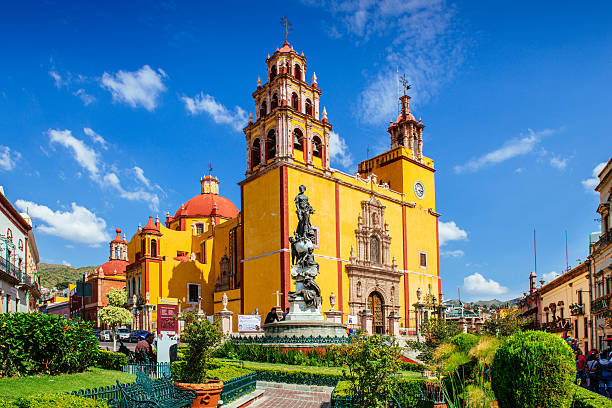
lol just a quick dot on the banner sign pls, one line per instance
(249, 323)
(351, 319)
(165, 318)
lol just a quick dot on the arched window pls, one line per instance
(154, 248)
(309, 111)
(263, 111)
(143, 245)
(295, 101)
(20, 245)
(270, 145)
(9, 234)
(297, 71)
(274, 103)
(272, 72)
(317, 147)
(374, 250)
(255, 153)
(298, 140)
(116, 253)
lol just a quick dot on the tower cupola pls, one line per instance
(209, 185)
(406, 131)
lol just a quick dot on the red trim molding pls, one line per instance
(339, 262)
(406, 277)
(242, 250)
(285, 261)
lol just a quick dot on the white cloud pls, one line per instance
(592, 182)
(141, 177)
(449, 231)
(66, 263)
(519, 170)
(550, 276)
(8, 158)
(83, 154)
(510, 149)
(57, 78)
(138, 88)
(478, 285)
(219, 113)
(85, 97)
(338, 150)
(77, 225)
(452, 254)
(96, 138)
(112, 180)
(422, 41)
(558, 162)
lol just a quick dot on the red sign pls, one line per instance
(165, 318)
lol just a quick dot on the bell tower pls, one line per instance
(407, 132)
(288, 125)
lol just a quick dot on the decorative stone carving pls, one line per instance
(372, 273)
(225, 278)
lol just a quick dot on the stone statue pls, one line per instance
(304, 268)
(224, 301)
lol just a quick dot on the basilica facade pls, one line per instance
(376, 230)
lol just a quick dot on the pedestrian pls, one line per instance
(271, 317)
(144, 351)
(580, 368)
(605, 374)
(592, 367)
(285, 315)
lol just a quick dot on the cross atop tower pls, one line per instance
(287, 26)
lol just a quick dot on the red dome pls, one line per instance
(205, 205)
(114, 267)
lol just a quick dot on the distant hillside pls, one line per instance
(51, 274)
(485, 303)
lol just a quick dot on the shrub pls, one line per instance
(584, 398)
(408, 366)
(226, 372)
(533, 369)
(408, 392)
(55, 401)
(33, 343)
(465, 341)
(110, 360)
(275, 354)
(373, 363)
(202, 337)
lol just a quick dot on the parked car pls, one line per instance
(123, 334)
(106, 335)
(137, 335)
(97, 334)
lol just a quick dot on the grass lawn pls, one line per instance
(14, 387)
(252, 365)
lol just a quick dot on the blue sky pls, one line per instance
(111, 113)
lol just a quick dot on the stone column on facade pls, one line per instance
(326, 153)
(366, 321)
(393, 320)
(308, 138)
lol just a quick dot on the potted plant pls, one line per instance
(202, 337)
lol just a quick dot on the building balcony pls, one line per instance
(604, 239)
(557, 326)
(601, 304)
(9, 271)
(576, 309)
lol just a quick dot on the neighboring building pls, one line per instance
(600, 255)
(57, 308)
(109, 275)
(530, 306)
(468, 319)
(19, 283)
(376, 230)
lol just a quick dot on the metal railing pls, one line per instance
(237, 387)
(153, 370)
(604, 238)
(9, 268)
(347, 402)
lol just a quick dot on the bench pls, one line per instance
(149, 393)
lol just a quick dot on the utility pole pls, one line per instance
(83, 299)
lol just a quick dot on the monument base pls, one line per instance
(304, 321)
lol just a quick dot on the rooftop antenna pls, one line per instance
(405, 84)
(397, 92)
(535, 258)
(210, 168)
(287, 26)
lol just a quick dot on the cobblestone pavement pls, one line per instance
(278, 397)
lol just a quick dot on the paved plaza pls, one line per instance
(278, 397)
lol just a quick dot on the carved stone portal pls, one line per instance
(373, 277)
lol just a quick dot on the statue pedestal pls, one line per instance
(366, 321)
(225, 320)
(304, 321)
(393, 320)
(334, 316)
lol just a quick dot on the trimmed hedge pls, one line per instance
(533, 369)
(297, 375)
(110, 360)
(278, 355)
(408, 393)
(219, 370)
(584, 398)
(53, 400)
(36, 343)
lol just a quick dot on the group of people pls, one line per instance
(272, 316)
(594, 371)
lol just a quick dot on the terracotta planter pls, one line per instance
(208, 393)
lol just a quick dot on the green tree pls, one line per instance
(436, 332)
(504, 325)
(373, 363)
(115, 314)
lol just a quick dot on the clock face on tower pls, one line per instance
(419, 189)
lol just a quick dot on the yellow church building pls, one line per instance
(376, 231)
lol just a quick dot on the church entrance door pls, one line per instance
(375, 304)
